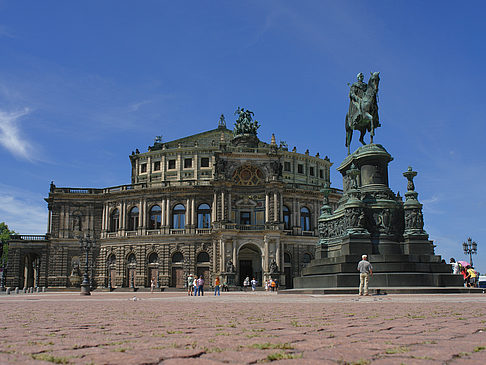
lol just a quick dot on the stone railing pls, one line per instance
(29, 237)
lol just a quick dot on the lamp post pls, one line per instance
(470, 248)
(86, 244)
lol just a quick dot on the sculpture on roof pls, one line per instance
(363, 108)
(245, 124)
(222, 122)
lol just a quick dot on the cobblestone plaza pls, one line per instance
(242, 328)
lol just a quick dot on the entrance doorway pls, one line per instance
(250, 264)
(31, 271)
(177, 277)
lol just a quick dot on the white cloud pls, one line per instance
(10, 135)
(23, 211)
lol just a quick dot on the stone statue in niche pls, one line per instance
(229, 266)
(273, 267)
(77, 223)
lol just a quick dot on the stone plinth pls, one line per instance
(372, 220)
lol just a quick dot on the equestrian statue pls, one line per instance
(363, 108)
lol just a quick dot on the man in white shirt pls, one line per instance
(365, 271)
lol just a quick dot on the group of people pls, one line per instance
(195, 285)
(470, 275)
(247, 282)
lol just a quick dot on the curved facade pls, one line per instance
(194, 205)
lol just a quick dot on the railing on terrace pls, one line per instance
(200, 231)
(29, 237)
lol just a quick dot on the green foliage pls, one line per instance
(4, 238)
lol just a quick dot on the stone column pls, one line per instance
(275, 207)
(188, 214)
(193, 212)
(277, 254)
(267, 207)
(143, 204)
(222, 206)
(137, 170)
(162, 213)
(281, 207)
(123, 220)
(215, 256)
(265, 256)
(222, 254)
(229, 206)
(234, 251)
(167, 212)
(214, 209)
(103, 221)
(163, 167)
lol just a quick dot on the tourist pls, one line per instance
(456, 267)
(464, 275)
(152, 285)
(190, 284)
(471, 277)
(253, 284)
(273, 284)
(267, 285)
(216, 285)
(365, 271)
(246, 283)
(200, 286)
(225, 286)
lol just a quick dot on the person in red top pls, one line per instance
(217, 284)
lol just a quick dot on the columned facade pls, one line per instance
(195, 204)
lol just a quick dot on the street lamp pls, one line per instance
(86, 244)
(470, 248)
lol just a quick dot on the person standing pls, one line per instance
(200, 286)
(253, 284)
(152, 285)
(456, 268)
(217, 283)
(365, 271)
(246, 283)
(190, 284)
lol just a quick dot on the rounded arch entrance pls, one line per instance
(249, 263)
(30, 271)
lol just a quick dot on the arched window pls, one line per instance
(287, 258)
(306, 258)
(202, 257)
(177, 257)
(286, 217)
(153, 258)
(179, 217)
(203, 216)
(114, 220)
(305, 219)
(131, 259)
(133, 219)
(155, 216)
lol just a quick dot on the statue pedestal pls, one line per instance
(372, 220)
(228, 278)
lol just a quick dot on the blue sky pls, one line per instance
(82, 84)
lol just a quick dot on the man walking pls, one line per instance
(365, 271)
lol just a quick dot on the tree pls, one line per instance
(5, 233)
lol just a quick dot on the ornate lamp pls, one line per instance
(470, 248)
(86, 244)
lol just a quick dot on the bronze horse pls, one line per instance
(365, 119)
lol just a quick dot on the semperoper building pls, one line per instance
(208, 204)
